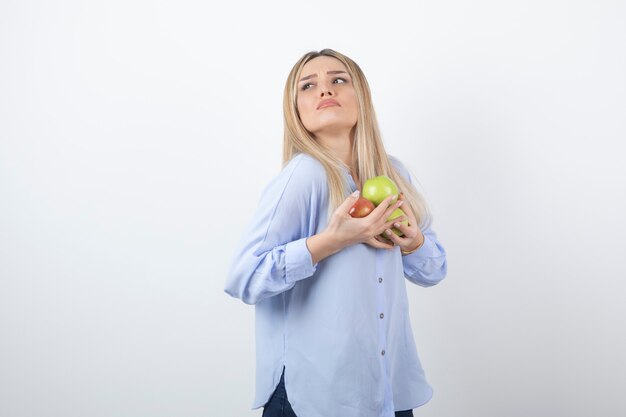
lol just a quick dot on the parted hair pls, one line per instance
(368, 152)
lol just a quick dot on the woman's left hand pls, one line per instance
(412, 235)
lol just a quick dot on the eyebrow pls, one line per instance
(315, 75)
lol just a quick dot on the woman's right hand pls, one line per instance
(348, 230)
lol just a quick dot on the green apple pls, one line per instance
(396, 213)
(378, 188)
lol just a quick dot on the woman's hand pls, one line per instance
(348, 230)
(413, 236)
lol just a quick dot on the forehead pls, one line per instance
(322, 64)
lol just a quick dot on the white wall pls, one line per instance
(136, 137)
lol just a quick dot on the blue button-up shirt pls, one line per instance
(340, 327)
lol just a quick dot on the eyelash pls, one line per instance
(338, 78)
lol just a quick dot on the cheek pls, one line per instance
(300, 103)
(354, 100)
(303, 107)
(354, 105)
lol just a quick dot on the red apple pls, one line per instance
(362, 207)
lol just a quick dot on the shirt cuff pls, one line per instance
(298, 261)
(427, 250)
(426, 266)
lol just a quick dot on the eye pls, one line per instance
(343, 81)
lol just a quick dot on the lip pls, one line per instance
(326, 103)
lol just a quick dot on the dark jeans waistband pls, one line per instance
(278, 404)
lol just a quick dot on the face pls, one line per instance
(325, 78)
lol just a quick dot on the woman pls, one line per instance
(332, 319)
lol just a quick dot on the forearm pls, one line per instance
(322, 245)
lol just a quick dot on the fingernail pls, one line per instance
(388, 232)
(356, 193)
(397, 224)
(351, 210)
(400, 203)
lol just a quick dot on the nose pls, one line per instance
(326, 90)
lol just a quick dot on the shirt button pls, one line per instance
(382, 315)
(380, 279)
(383, 352)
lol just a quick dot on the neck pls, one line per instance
(339, 145)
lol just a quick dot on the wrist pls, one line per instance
(409, 251)
(332, 243)
(322, 245)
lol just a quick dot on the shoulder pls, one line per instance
(395, 161)
(399, 166)
(307, 163)
(303, 169)
(302, 175)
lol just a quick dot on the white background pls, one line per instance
(135, 140)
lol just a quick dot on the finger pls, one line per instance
(378, 244)
(382, 239)
(397, 223)
(406, 208)
(384, 222)
(380, 209)
(349, 202)
(405, 231)
(387, 239)
(393, 208)
(386, 209)
(389, 234)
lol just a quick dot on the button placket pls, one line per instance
(382, 307)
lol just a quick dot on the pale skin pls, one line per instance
(333, 126)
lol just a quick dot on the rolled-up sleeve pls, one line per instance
(299, 264)
(272, 254)
(427, 266)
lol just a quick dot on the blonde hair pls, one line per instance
(369, 157)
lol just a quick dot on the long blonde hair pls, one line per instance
(369, 157)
